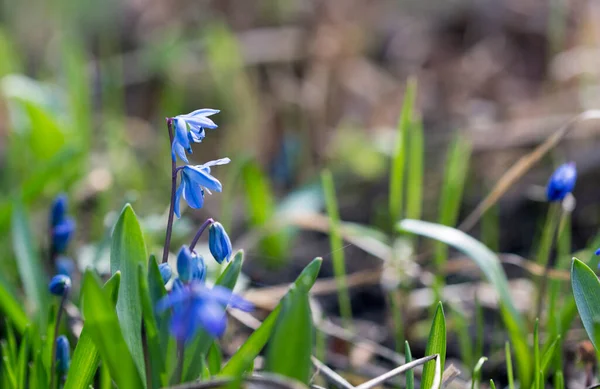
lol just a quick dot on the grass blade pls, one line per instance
(410, 375)
(103, 325)
(287, 355)
(12, 310)
(489, 264)
(128, 250)
(397, 170)
(536, 354)
(477, 373)
(509, 368)
(414, 181)
(86, 357)
(436, 344)
(337, 248)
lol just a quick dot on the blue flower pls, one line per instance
(63, 355)
(189, 129)
(219, 243)
(165, 272)
(194, 181)
(59, 285)
(184, 264)
(62, 234)
(58, 210)
(198, 268)
(562, 182)
(197, 306)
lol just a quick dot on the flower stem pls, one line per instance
(63, 300)
(207, 223)
(172, 206)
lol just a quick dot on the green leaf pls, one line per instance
(155, 354)
(287, 355)
(536, 354)
(12, 310)
(397, 170)
(157, 291)
(489, 264)
(45, 135)
(410, 375)
(414, 180)
(586, 290)
(337, 248)
(509, 368)
(436, 344)
(477, 373)
(241, 361)
(214, 359)
(198, 348)
(86, 357)
(23, 358)
(29, 263)
(103, 325)
(127, 252)
(549, 354)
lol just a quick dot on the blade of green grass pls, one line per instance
(464, 337)
(127, 251)
(414, 181)
(549, 354)
(287, 355)
(399, 159)
(214, 359)
(12, 310)
(536, 354)
(509, 368)
(476, 380)
(29, 263)
(489, 264)
(410, 375)
(103, 325)
(337, 248)
(436, 344)
(86, 357)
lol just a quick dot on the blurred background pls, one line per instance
(302, 85)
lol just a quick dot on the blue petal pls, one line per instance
(178, 149)
(192, 192)
(181, 132)
(200, 177)
(216, 162)
(201, 122)
(178, 194)
(202, 112)
(184, 324)
(226, 297)
(196, 136)
(177, 296)
(211, 316)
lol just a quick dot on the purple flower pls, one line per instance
(189, 129)
(196, 306)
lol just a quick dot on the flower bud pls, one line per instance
(218, 242)
(198, 269)
(177, 285)
(62, 234)
(63, 355)
(562, 182)
(165, 272)
(184, 264)
(58, 210)
(64, 265)
(59, 285)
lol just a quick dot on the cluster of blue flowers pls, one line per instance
(193, 304)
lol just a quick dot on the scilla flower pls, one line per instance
(194, 181)
(561, 182)
(218, 242)
(198, 268)
(165, 272)
(184, 264)
(189, 129)
(61, 226)
(197, 306)
(63, 355)
(59, 285)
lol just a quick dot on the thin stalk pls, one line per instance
(177, 374)
(546, 245)
(56, 330)
(165, 256)
(207, 223)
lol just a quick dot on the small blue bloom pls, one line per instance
(58, 210)
(177, 284)
(197, 306)
(194, 181)
(63, 355)
(59, 285)
(198, 268)
(561, 182)
(64, 265)
(62, 234)
(165, 272)
(218, 242)
(184, 264)
(189, 129)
